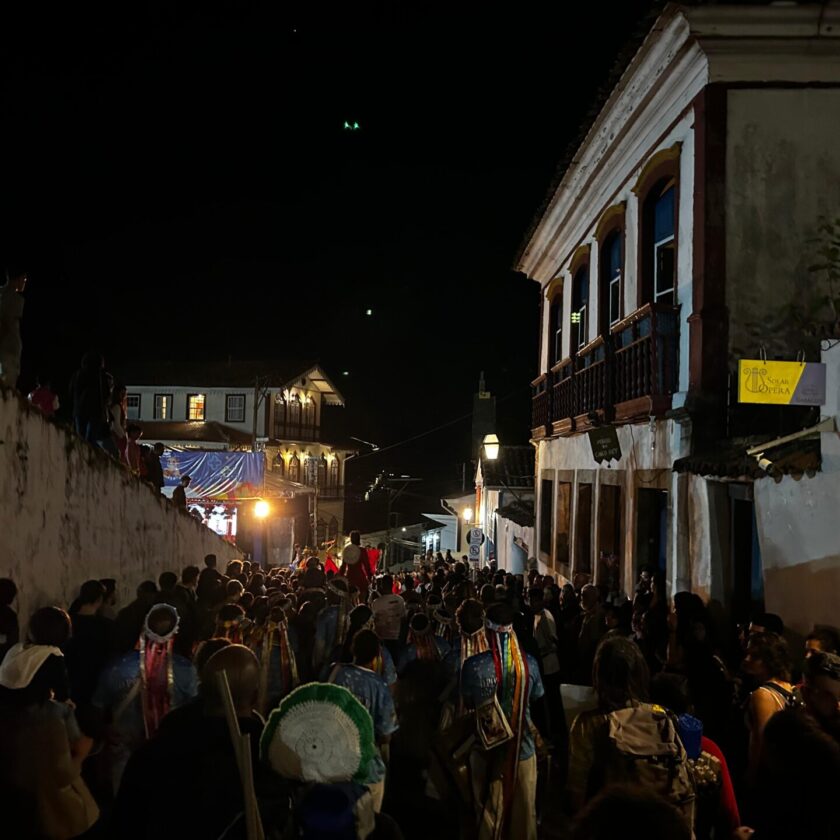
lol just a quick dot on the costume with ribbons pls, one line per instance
(156, 673)
(278, 664)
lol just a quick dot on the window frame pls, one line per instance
(228, 397)
(203, 417)
(582, 325)
(555, 327)
(128, 397)
(612, 225)
(170, 398)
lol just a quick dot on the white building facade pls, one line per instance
(677, 228)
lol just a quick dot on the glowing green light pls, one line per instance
(351, 126)
(575, 317)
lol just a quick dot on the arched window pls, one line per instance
(294, 468)
(294, 416)
(580, 307)
(280, 417)
(308, 420)
(280, 465)
(609, 298)
(335, 468)
(555, 329)
(658, 192)
(322, 472)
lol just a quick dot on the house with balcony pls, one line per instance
(673, 235)
(277, 407)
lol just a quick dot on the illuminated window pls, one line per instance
(132, 406)
(163, 406)
(195, 406)
(334, 473)
(235, 408)
(294, 468)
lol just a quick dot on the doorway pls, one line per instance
(651, 528)
(745, 552)
(583, 531)
(609, 537)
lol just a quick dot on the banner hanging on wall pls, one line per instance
(781, 383)
(215, 475)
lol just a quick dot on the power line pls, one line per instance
(435, 429)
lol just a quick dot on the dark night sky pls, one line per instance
(178, 183)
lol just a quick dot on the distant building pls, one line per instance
(676, 233)
(204, 405)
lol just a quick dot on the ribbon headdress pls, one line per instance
(156, 670)
(276, 634)
(421, 636)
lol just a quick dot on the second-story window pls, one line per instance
(293, 418)
(132, 406)
(610, 286)
(163, 406)
(555, 329)
(334, 474)
(308, 412)
(664, 251)
(580, 307)
(195, 406)
(235, 408)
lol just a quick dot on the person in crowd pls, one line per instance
(591, 628)
(119, 421)
(189, 584)
(129, 622)
(389, 612)
(140, 687)
(179, 494)
(796, 781)
(9, 629)
(273, 641)
(331, 624)
(621, 740)
(821, 691)
(355, 564)
(500, 684)
(43, 397)
(11, 312)
(619, 810)
(361, 679)
(91, 394)
(91, 644)
(109, 604)
(767, 662)
(822, 640)
(191, 760)
(547, 644)
(423, 644)
(133, 452)
(42, 793)
(361, 618)
(154, 470)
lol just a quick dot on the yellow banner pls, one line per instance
(781, 383)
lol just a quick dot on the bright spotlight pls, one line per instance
(261, 509)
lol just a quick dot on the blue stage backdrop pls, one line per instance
(215, 475)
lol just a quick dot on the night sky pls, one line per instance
(179, 183)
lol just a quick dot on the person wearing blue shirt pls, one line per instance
(423, 644)
(371, 691)
(520, 686)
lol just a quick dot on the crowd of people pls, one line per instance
(431, 702)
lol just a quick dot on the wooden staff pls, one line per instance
(242, 751)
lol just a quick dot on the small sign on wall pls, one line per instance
(605, 445)
(781, 383)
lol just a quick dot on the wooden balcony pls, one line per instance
(563, 398)
(625, 377)
(645, 350)
(592, 385)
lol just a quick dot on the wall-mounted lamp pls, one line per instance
(491, 447)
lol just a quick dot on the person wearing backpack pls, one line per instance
(626, 739)
(767, 662)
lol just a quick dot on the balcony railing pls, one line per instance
(621, 378)
(645, 347)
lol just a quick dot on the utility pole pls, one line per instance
(260, 393)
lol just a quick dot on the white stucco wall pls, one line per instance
(68, 513)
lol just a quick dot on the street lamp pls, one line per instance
(261, 509)
(491, 447)
(467, 514)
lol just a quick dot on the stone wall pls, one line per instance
(68, 513)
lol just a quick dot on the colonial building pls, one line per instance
(674, 235)
(275, 407)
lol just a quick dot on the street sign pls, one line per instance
(781, 383)
(476, 536)
(604, 443)
(475, 552)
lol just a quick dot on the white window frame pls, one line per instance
(129, 409)
(163, 401)
(229, 418)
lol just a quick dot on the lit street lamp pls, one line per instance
(261, 509)
(491, 447)
(467, 514)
